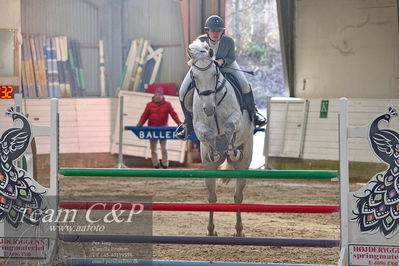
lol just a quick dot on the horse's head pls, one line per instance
(204, 74)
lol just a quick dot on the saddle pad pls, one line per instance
(237, 89)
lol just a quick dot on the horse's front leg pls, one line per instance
(207, 136)
(238, 198)
(231, 125)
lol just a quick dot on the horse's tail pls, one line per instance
(226, 166)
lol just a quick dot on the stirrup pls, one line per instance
(259, 120)
(181, 132)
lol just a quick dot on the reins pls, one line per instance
(217, 88)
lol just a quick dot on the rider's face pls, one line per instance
(215, 35)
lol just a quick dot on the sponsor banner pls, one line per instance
(373, 255)
(23, 247)
(153, 132)
(121, 216)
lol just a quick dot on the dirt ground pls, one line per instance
(282, 225)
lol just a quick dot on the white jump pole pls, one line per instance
(343, 177)
(266, 145)
(121, 129)
(54, 139)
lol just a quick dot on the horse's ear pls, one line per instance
(211, 52)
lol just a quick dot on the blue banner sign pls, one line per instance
(153, 132)
(162, 132)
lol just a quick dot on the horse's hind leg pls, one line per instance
(211, 185)
(241, 182)
(212, 198)
(238, 198)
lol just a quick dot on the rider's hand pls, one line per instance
(139, 125)
(220, 62)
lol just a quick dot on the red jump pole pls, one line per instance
(198, 207)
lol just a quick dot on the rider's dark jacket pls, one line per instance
(225, 50)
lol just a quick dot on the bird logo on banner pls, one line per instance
(378, 209)
(19, 199)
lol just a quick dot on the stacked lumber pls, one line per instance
(141, 66)
(75, 61)
(51, 67)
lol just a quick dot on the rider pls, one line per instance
(224, 49)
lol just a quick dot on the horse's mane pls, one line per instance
(198, 49)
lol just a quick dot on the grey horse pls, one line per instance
(224, 130)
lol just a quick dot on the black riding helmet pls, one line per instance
(214, 23)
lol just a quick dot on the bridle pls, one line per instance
(217, 88)
(209, 92)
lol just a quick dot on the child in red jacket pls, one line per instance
(157, 113)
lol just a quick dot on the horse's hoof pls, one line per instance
(241, 234)
(234, 156)
(214, 158)
(213, 233)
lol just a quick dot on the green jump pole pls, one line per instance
(189, 173)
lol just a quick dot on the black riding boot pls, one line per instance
(249, 102)
(186, 129)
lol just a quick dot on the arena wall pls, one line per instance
(298, 131)
(350, 52)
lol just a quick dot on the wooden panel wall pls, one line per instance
(286, 119)
(321, 138)
(85, 123)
